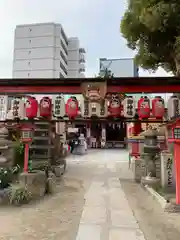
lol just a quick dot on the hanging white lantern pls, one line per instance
(59, 106)
(173, 107)
(3, 107)
(18, 108)
(129, 109)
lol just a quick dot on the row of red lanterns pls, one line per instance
(45, 107)
(144, 111)
(116, 109)
(72, 107)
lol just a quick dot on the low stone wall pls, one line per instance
(137, 169)
(35, 183)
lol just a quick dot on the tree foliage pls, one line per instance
(152, 28)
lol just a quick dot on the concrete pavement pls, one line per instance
(106, 213)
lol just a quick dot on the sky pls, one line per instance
(95, 22)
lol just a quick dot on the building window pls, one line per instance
(60, 75)
(63, 57)
(64, 36)
(63, 68)
(64, 48)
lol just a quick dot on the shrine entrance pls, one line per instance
(116, 134)
(96, 131)
(95, 98)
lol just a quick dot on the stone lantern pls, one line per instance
(150, 154)
(81, 148)
(6, 149)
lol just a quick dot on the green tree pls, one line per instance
(151, 27)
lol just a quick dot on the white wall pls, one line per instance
(34, 74)
(35, 64)
(120, 67)
(39, 47)
(32, 53)
(35, 30)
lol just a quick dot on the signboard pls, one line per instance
(167, 171)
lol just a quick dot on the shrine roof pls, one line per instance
(128, 81)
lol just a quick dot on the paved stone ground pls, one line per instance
(106, 214)
(91, 203)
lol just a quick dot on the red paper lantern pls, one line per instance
(31, 107)
(72, 107)
(144, 108)
(45, 107)
(115, 106)
(158, 107)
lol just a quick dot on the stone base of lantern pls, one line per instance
(51, 183)
(58, 170)
(137, 169)
(80, 150)
(35, 182)
(150, 181)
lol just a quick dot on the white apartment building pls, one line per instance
(76, 59)
(43, 50)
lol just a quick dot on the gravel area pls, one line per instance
(54, 217)
(153, 221)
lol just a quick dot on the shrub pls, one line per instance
(19, 194)
(19, 154)
(6, 176)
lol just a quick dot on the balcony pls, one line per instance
(81, 70)
(82, 50)
(82, 65)
(81, 60)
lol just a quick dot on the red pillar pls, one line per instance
(137, 128)
(177, 170)
(26, 157)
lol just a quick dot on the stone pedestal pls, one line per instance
(51, 181)
(58, 170)
(35, 183)
(79, 150)
(150, 181)
(137, 169)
